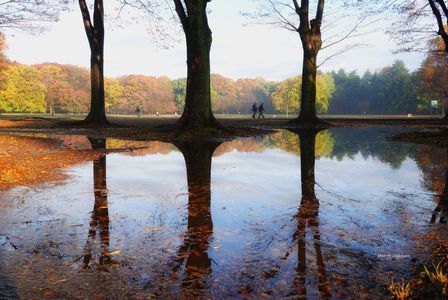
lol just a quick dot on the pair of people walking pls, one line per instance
(256, 108)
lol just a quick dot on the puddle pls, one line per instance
(330, 214)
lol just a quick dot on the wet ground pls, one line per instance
(339, 213)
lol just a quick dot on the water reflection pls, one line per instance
(99, 223)
(193, 254)
(253, 233)
(308, 218)
(441, 210)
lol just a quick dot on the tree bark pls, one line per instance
(95, 36)
(442, 29)
(311, 38)
(308, 112)
(197, 114)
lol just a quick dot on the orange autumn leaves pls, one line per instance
(30, 161)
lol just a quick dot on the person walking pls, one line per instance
(260, 111)
(254, 110)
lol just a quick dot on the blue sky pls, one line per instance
(239, 50)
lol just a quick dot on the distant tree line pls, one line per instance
(60, 88)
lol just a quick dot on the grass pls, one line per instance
(438, 276)
(401, 290)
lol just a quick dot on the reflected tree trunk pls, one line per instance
(7, 286)
(441, 209)
(308, 217)
(99, 223)
(194, 250)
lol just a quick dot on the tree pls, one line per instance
(113, 93)
(149, 93)
(95, 35)
(283, 14)
(23, 90)
(287, 97)
(433, 76)
(68, 87)
(179, 88)
(440, 10)
(197, 113)
(226, 93)
(29, 15)
(414, 22)
(58, 90)
(395, 93)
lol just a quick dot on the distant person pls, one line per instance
(254, 110)
(260, 111)
(137, 111)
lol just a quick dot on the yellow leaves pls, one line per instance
(115, 252)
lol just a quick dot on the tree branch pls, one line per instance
(438, 16)
(98, 16)
(444, 8)
(320, 11)
(87, 22)
(304, 16)
(182, 14)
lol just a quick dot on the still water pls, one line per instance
(337, 214)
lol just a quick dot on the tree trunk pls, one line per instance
(197, 112)
(95, 35)
(311, 44)
(97, 112)
(308, 112)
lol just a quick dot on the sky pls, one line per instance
(239, 49)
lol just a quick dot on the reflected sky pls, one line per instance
(226, 226)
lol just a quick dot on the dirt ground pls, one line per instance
(61, 121)
(427, 128)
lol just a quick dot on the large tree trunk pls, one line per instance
(311, 38)
(308, 112)
(95, 35)
(197, 112)
(97, 112)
